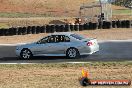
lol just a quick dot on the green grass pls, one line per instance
(122, 12)
(3, 25)
(61, 75)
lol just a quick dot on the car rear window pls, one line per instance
(80, 37)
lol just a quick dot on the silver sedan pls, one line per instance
(59, 44)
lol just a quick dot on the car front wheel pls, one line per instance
(72, 53)
(26, 54)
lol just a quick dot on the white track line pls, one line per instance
(128, 40)
(12, 44)
(77, 62)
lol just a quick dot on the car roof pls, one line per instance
(62, 33)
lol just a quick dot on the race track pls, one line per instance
(114, 50)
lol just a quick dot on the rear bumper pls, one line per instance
(91, 50)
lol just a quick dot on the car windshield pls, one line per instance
(80, 37)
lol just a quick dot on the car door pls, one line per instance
(57, 46)
(41, 47)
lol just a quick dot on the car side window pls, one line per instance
(51, 39)
(42, 41)
(48, 39)
(61, 38)
(54, 39)
(67, 39)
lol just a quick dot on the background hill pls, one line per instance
(41, 7)
(47, 11)
(37, 8)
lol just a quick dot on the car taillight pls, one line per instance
(89, 43)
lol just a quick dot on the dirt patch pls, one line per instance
(62, 76)
(100, 34)
(47, 7)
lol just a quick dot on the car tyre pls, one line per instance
(26, 54)
(72, 53)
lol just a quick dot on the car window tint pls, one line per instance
(51, 39)
(59, 38)
(67, 39)
(80, 37)
(62, 38)
(44, 40)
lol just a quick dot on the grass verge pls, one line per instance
(21, 15)
(61, 75)
(122, 12)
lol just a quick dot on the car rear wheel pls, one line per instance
(26, 54)
(72, 53)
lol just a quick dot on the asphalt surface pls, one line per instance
(114, 50)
